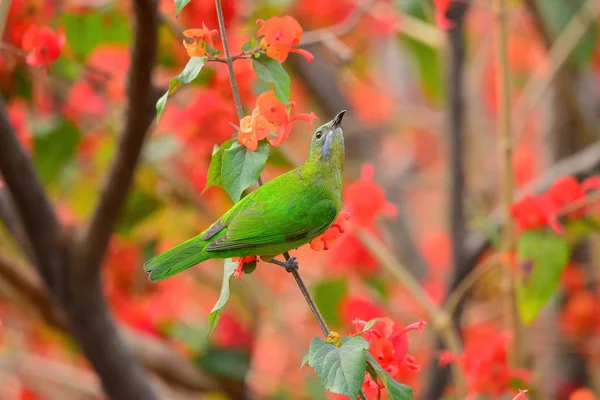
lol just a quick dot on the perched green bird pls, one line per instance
(283, 214)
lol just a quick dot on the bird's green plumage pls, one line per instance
(283, 214)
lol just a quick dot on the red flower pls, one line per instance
(43, 45)
(484, 363)
(327, 239)
(17, 114)
(365, 200)
(389, 346)
(441, 8)
(239, 270)
(280, 35)
(535, 212)
(359, 308)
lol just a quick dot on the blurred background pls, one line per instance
(434, 143)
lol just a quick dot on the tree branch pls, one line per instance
(32, 204)
(140, 107)
(456, 92)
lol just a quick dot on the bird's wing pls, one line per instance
(287, 216)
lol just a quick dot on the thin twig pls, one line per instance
(541, 79)
(337, 30)
(467, 283)
(229, 61)
(507, 181)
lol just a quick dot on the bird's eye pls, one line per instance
(319, 135)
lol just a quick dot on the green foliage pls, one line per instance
(396, 390)
(216, 165)
(242, 167)
(557, 14)
(271, 71)
(179, 5)
(547, 254)
(341, 369)
(139, 205)
(428, 67)
(228, 363)
(54, 149)
(249, 267)
(215, 313)
(328, 295)
(189, 73)
(86, 31)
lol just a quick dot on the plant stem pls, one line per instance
(229, 61)
(506, 162)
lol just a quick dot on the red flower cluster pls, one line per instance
(366, 208)
(441, 8)
(281, 34)
(195, 49)
(535, 212)
(327, 239)
(239, 270)
(270, 120)
(389, 346)
(484, 363)
(43, 45)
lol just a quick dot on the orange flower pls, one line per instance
(248, 139)
(195, 49)
(270, 107)
(280, 35)
(261, 127)
(280, 118)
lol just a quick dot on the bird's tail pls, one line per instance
(177, 259)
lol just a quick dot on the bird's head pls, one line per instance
(327, 143)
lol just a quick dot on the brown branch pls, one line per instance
(32, 204)
(140, 112)
(152, 353)
(456, 91)
(10, 218)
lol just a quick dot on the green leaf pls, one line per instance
(216, 165)
(242, 167)
(86, 31)
(542, 257)
(428, 66)
(341, 369)
(328, 296)
(189, 73)
(139, 205)
(557, 14)
(271, 71)
(215, 314)
(396, 390)
(54, 149)
(227, 363)
(179, 4)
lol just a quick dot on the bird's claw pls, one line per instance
(291, 264)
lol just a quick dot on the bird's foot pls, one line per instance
(290, 264)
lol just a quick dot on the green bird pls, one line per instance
(283, 214)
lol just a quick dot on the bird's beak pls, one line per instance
(337, 121)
